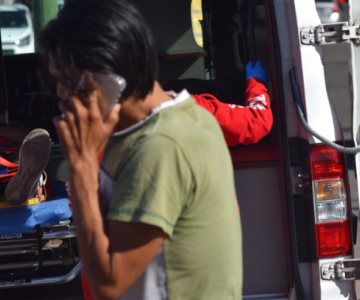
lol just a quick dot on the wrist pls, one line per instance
(84, 173)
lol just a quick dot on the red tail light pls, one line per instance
(333, 239)
(326, 163)
(333, 234)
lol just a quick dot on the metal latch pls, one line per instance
(301, 180)
(331, 33)
(348, 269)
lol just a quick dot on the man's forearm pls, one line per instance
(93, 242)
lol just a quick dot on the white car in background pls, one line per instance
(17, 32)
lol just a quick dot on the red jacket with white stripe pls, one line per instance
(242, 124)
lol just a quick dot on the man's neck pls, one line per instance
(134, 110)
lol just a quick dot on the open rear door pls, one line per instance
(354, 18)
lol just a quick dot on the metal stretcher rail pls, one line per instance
(43, 281)
(32, 259)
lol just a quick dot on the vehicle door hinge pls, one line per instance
(348, 269)
(331, 33)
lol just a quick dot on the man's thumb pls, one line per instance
(114, 115)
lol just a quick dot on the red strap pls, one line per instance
(85, 288)
(6, 177)
(7, 163)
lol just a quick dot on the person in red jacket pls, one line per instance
(243, 124)
(240, 124)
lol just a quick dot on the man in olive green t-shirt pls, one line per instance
(159, 218)
(178, 177)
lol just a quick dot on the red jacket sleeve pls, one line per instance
(242, 124)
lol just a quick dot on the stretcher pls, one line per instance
(37, 244)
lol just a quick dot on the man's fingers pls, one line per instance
(78, 107)
(70, 116)
(110, 119)
(65, 137)
(71, 122)
(81, 118)
(94, 105)
(86, 128)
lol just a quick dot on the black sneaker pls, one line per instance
(33, 159)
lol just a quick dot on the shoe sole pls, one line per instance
(33, 158)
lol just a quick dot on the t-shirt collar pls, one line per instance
(175, 99)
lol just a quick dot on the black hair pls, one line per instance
(107, 36)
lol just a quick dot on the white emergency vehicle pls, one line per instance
(299, 229)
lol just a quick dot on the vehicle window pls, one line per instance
(21, 20)
(13, 19)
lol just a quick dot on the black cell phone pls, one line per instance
(111, 85)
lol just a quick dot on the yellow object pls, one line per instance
(31, 201)
(196, 17)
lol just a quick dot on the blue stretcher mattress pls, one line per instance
(24, 219)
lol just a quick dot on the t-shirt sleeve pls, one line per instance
(153, 185)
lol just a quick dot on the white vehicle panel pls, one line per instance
(320, 116)
(11, 34)
(355, 74)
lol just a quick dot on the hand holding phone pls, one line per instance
(111, 87)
